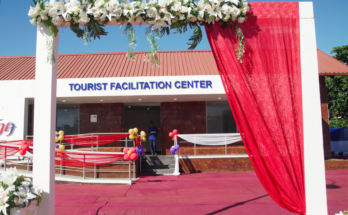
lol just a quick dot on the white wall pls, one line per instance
(13, 110)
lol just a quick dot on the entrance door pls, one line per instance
(140, 117)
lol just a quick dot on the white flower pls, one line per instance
(3, 206)
(185, 1)
(84, 19)
(167, 16)
(200, 8)
(158, 23)
(182, 17)
(245, 3)
(34, 11)
(245, 9)
(26, 182)
(128, 8)
(142, 8)
(235, 12)
(340, 213)
(9, 176)
(162, 3)
(118, 12)
(241, 19)
(152, 12)
(43, 16)
(24, 195)
(207, 6)
(35, 189)
(183, 9)
(57, 20)
(215, 11)
(33, 21)
(176, 6)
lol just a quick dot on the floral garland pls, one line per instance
(162, 16)
(17, 191)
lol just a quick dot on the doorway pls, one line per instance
(140, 115)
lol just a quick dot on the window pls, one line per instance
(68, 116)
(220, 118)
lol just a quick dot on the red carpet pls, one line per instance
(201, 193)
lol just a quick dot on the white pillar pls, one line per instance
(314, 165)
(45, 120)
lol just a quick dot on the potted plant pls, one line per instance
(17, 194)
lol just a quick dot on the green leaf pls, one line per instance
(196, 38)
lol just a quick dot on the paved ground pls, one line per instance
(201, 193)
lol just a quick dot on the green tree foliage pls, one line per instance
(337, 91)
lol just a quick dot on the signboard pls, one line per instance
(93, 117)
(7, 128)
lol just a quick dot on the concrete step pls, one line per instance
(164, 166)
(156, 171)
(157, 162)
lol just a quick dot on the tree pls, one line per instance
(337, 91)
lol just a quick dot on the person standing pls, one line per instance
(152, 132)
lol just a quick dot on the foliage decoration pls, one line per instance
(162, 16)
(17, 191)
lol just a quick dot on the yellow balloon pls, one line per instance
(131, 137)
(57, 139)
(131, 131)
(135, 130)
(61, 133)
(136, 137)
(61, 147)
(129, 152)
(143, 139)
(61, 138)
(143, 134)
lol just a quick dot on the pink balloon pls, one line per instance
(171, 135)
(25, 147)
(125, 150)
(126, 157)
(133, 157)
(133, 150)
(24, 143)
(173, 138)
(22, 152)
(175, 132)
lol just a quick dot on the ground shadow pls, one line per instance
(187, 166)
(235, 205)
(332, 185)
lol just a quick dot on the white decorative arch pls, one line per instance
(45, 117)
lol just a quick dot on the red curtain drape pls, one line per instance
(264, 93)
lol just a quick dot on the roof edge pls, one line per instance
(107, 53)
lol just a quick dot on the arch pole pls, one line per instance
(45, 120)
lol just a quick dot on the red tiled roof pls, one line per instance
(330, 66)
(92, 65)
(173, 63)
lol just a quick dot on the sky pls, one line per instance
(18, 36)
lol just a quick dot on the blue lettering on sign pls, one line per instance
(202, 84)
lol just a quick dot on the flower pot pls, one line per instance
(31, 210)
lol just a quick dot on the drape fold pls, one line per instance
(264, 93)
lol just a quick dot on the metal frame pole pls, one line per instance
(28, 165)
(133, 169)
(95, 168)
(225, 146)
(97, 144)
(84, 168)
(92, 142)
(194, 144)
(5, 158)
(129, 164)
